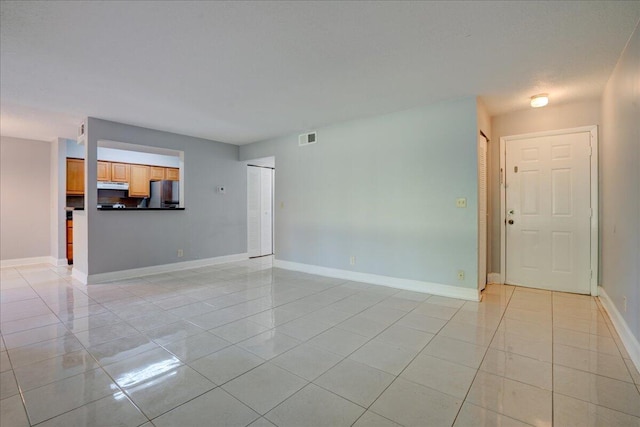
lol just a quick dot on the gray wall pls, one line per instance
(25, 211)
(382, 189)
(620, 185)
(212, 225)
(521, 122)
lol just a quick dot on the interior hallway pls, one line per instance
(248, 344)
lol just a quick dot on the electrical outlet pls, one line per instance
(461, 203)
(180, 253)
(460, 275)
(352, 260)
(624, 304)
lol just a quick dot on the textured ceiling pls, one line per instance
(239, 72)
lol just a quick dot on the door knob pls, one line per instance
(510, 221)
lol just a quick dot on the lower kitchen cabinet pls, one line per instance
(70, 241)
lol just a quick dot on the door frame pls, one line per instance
(593, 131)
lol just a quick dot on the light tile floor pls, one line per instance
(247, 344)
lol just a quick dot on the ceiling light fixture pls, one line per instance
(539, 100)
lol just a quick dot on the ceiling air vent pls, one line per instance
(307, 138)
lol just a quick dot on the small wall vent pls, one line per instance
(307, 138)
(81, 134)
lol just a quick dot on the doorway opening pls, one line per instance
(260, 207)
(549, 210)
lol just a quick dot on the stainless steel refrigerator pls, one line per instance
(165, 194)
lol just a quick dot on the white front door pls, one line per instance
(548, 212)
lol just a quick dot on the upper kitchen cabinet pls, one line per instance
(172, 174)
(139, 181)
(120, 172)
(156, 173)
(75, 177)
(104, 171)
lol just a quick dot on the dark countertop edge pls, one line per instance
(69, 209)
(140, 209)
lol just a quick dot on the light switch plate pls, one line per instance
(461, 202)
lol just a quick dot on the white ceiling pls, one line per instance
(239, 72)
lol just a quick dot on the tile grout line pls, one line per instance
(483, 357)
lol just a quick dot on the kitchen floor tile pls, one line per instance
(469, 333)
(196, 346)
(306, 361)
(12, 412)
(114, 410)
(226, 364)
(404, 337)
(591, 361)
(613, 394)
(104, 334)
(173, 332)
(386, 357)
(43, 350)
(438, 374)
(157, 392)
(422, 322)
(215, 406)
(264, 387)
(514, 399)
(313, 406)
(239, 330)
(8, 385)
(410, 404)
(170, 339)
(70, 393)
(568, 411)
(54, 369)
(518, 368)
(5, 364)
(142, 367)
(461, 352)
(269, 344)
(303, 328)
(471, 415)
(355, 381)
(339, 341)
(371, 419)
(121, 349)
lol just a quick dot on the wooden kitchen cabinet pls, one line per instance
(139, 181)
(172, 174)
(70, 241)
(120, 172)
(104, 171)
(156, 173)
(75, 177)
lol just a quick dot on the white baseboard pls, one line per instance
(155, 269)
(17, 262)
(61, 262)
(494, 278)
(470, 294)
(629, 340)
(80, 276)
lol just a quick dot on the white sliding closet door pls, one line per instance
(266, 200)
(259, 211)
